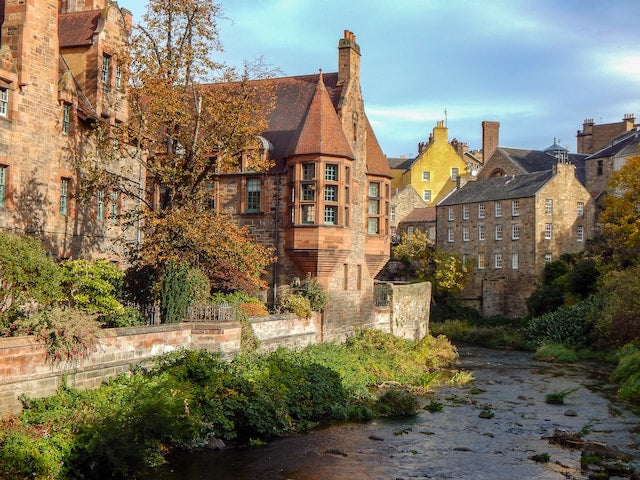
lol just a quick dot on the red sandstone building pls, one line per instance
(59, 73)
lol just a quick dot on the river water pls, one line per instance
(455, 443)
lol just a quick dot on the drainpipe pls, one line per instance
(276, 241)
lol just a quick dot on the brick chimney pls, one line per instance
(348, 58)
(490, 139)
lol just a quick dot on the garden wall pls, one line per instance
(25, 369)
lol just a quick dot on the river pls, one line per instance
(487, 430)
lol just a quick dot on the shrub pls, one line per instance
(93, 286)
(397, 402)
(181, 285)
(253, 309)
(27, 274)
(297, 304)
(628, 372)
(67, 333)
(572, 325)
(129, 317)
(316, 295)
(620, 322)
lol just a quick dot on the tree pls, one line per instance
(446, 272)
(620, 219)
(183, 130)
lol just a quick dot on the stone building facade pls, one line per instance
(508, 227)
(593, 137)
(324, 206)
(59, 74)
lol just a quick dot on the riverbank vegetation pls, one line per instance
(189, 398)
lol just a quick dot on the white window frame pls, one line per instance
(548, 231)
(465, 212)
(580, 209)
(498, 208)
(548, 258)
(482, 233)
(514, 261)
(548, 206)
(515, 231)
(4, 102)
(515, 208)
(426, 195)
(426, 176)
(580, 233)
(104, 74)
(465, 234)
(482, 211)
(455, 173)
(450, 234)
(450, 214)
(497, 261)
(498, 231)
(482, 261)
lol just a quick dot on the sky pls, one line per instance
(539, 67)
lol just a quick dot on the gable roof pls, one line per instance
(624, 141)
(530, 161)
(320, 130)
(76, 29)
(499, 188)
(422, 214)
(376, 161)
(399, 163)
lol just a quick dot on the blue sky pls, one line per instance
(538, 67)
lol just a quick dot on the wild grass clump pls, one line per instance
(556, 352)
(495, 332)
(628, 372)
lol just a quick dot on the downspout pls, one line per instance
(274, 282)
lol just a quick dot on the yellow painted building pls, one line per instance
(435, 171)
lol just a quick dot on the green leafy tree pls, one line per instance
(93, 286)
(446, 272)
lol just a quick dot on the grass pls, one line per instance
(558, 398)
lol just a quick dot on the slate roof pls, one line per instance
(537, 161)
(423, 214)
(622, 142)
(320, 131)
(76, 29)
(376, 161)
(499, 188)
(399, 163)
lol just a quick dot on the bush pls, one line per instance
(316, 295)
(67, 333)
(620, 322)
(253, 309)
(181, 285)
(628, 372)
(572, 325)
(297, 304)
(27, 274)
(93, 286)
(397, 402)
(129, 317)
(556, 352)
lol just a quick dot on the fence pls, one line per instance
(198, 313)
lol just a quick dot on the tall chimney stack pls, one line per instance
(490, 139)
(348, 58)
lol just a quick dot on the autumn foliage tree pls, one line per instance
(190, 118)
(620, 219)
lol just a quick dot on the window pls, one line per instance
(515, 208)
(450, 236)
(465, 234)
(308, 214)
(114, 207)
(426, 195)
(373, 223)
(580, 233)
(481, 232)
(66, 118)
(308, 171)
(497, 261)
(118, 77)
(580, 209)
(3, 183)
(64, 193)
(481, 210)
(514, 261)
(465, 212)
(548, 229)
(410, 230)
(454, 173)
(308, 192)
(106, 59)
(330, 215)
(498, 232)
(548, 258)
(498, 208)
(392, 213)
(481, 261)
(426, 176)
(465, 259)
(331, 193)
(548, 206)
(4, 102)
(600, 167)
(253, 195)
(100, 205)
(331, 172)
(515, 232)
(373, 226)
(450, 214)
(345, 276)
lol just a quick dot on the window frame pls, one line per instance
(3, 183)
(450, 235)
(482, 261)
(515, 261)
(515, 231)
(4, 102)
(374, 212)
(548, 206)
(426, 176)
(515, 208)
(66, 119)
(455, 173)
(64, 196)
(465, 234)
(548, 231)
(482, 210)
(498, 232)
(465, 212)
(105, 68)
(253, 195)
(425, 194)
(482, 233)
(100, 205)
(497, 261)
(580, 209)
(498, 208)
(580, 233)
(450, 215)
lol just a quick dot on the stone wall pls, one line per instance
(409, 308)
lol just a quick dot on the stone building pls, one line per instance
(403, 201)
(59, 74)
(422, 219)
(593, 138)
(324, 206)
(610, 158)
(508, 227)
